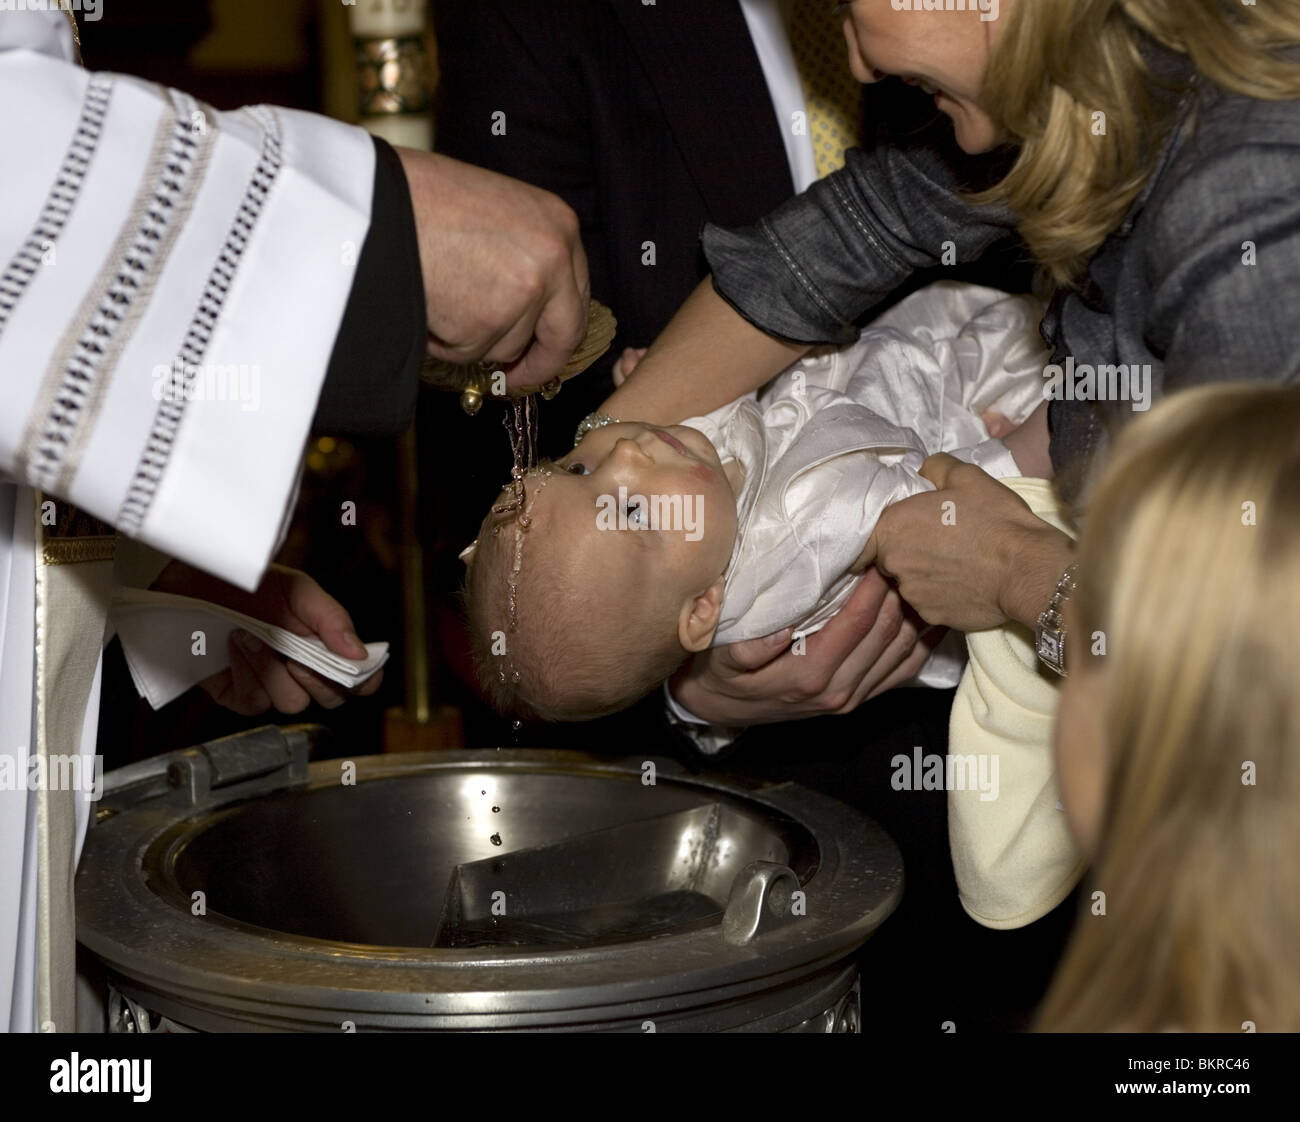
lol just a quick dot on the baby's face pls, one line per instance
(637, 507)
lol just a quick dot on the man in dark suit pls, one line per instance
(647, 121)
(650, 120)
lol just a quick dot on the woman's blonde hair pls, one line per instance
(1189, 567)
(1058, 63)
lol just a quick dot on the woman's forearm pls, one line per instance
(707, 356)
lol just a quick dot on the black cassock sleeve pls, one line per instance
(373, 377)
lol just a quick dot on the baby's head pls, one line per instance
(621, 573)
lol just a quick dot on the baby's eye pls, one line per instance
(636, 516)
(576, 469)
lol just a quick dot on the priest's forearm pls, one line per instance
(707, 356)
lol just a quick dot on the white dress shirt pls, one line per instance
(767, 21)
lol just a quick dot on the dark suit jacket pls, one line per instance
(648, 120)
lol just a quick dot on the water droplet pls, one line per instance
(482, 792)
(518, 725)
(495, 839)
(496, 810)
(515, 678)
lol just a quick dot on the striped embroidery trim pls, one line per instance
(180, 197)
(61, 199)
(94, 335)
(171, 408)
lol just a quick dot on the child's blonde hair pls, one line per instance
(1189, 573)
(1058, 63)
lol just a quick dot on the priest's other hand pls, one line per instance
(258, 677)
(505, 275)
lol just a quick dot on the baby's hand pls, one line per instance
(626, 363)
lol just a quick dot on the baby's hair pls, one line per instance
(577, 656)
(1189, 573)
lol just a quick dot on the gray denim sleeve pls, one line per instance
(1223, 275)
(811, 270)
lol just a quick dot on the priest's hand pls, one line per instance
(505, 275)
(258, 677)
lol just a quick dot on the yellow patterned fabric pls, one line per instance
(832, 94)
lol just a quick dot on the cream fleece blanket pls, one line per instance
(1013, 854)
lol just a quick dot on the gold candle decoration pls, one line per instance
(392, 76)
(395, 66)
(473, 380)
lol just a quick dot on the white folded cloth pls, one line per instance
(174, 642)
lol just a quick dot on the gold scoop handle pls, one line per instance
(471, 380)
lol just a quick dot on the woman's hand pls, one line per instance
(873, 644)
(971, 554)
(258, 677)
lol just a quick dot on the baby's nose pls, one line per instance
(631, 448)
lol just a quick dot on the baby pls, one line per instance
(644, 545)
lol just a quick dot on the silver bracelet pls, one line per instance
(592, 421)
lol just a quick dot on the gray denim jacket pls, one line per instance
(1201, 282)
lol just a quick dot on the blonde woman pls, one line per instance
(1157, 186)
(1179, 749)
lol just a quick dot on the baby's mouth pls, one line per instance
(700, 467)
(674, 443)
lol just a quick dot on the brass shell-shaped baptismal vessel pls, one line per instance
(474, 381)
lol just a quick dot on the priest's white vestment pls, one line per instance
(172, 280)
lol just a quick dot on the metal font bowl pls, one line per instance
(234, 887)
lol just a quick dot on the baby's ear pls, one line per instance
(698, 620)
